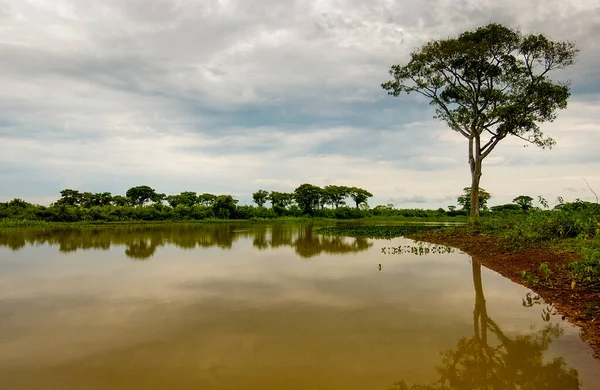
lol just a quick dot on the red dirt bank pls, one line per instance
(578, 306)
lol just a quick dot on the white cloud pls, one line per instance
(230, 96)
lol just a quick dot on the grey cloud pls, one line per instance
(420, 199)
(111, 86)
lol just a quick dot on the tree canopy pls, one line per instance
(488, 84)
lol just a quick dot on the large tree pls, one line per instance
(488, 84)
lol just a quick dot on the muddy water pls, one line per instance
(269, 307)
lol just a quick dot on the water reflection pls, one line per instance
(502, 362)
(142, 242)
(252, 316)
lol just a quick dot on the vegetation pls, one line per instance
(375, 231)
(488, 84)
(143, 203)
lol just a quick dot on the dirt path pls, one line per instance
(578, 306)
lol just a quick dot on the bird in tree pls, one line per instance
(488, 84)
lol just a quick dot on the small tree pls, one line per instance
(465, 199)
(488, 84)
(524, 201)
(359, 196)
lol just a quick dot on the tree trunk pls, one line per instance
(475, 164)
(480, 317)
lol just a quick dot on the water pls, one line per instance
(268, 307)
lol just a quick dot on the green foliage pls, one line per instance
(375, 231)
(465, 199)
(524, 202)
(224, 206)
(308, 197)
(546, 273)
(260, 197)
(187, 198)
(488, 84)
(506, 209)
(142, 194)
(359, 196)
(335, 195)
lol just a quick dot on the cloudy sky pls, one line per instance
(230, 96)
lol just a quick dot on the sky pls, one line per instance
(232, 96)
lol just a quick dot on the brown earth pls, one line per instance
(579, 306)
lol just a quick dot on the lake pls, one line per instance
(246, 306)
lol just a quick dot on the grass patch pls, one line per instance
(386, 232)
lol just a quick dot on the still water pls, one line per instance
(269, 307)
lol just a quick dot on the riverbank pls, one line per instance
(391, 220)
(523, 264)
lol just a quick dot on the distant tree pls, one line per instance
(308, 198)
(503, 208)
(119, 200)
(359, 196)
(69, 198)
(187, 198)
(488, 84)
(101, 199)
(336, 195)
(224, 206)
(87, 200)
(524, 201)
(260, 197)
(206, 199)
(281, 199)
(465, 199)
(141, 194)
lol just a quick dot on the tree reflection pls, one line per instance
(141, 242)
(309, 245)
(505, 363)
(141, 249)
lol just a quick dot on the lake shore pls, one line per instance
(577, 305)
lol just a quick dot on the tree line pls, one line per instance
(145, 203)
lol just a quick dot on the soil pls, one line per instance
(577, 305)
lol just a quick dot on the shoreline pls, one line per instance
(579, 306)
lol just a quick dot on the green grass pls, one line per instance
(386, 232)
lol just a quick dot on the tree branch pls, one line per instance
(588, 184)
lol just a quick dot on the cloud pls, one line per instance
(228, 96)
